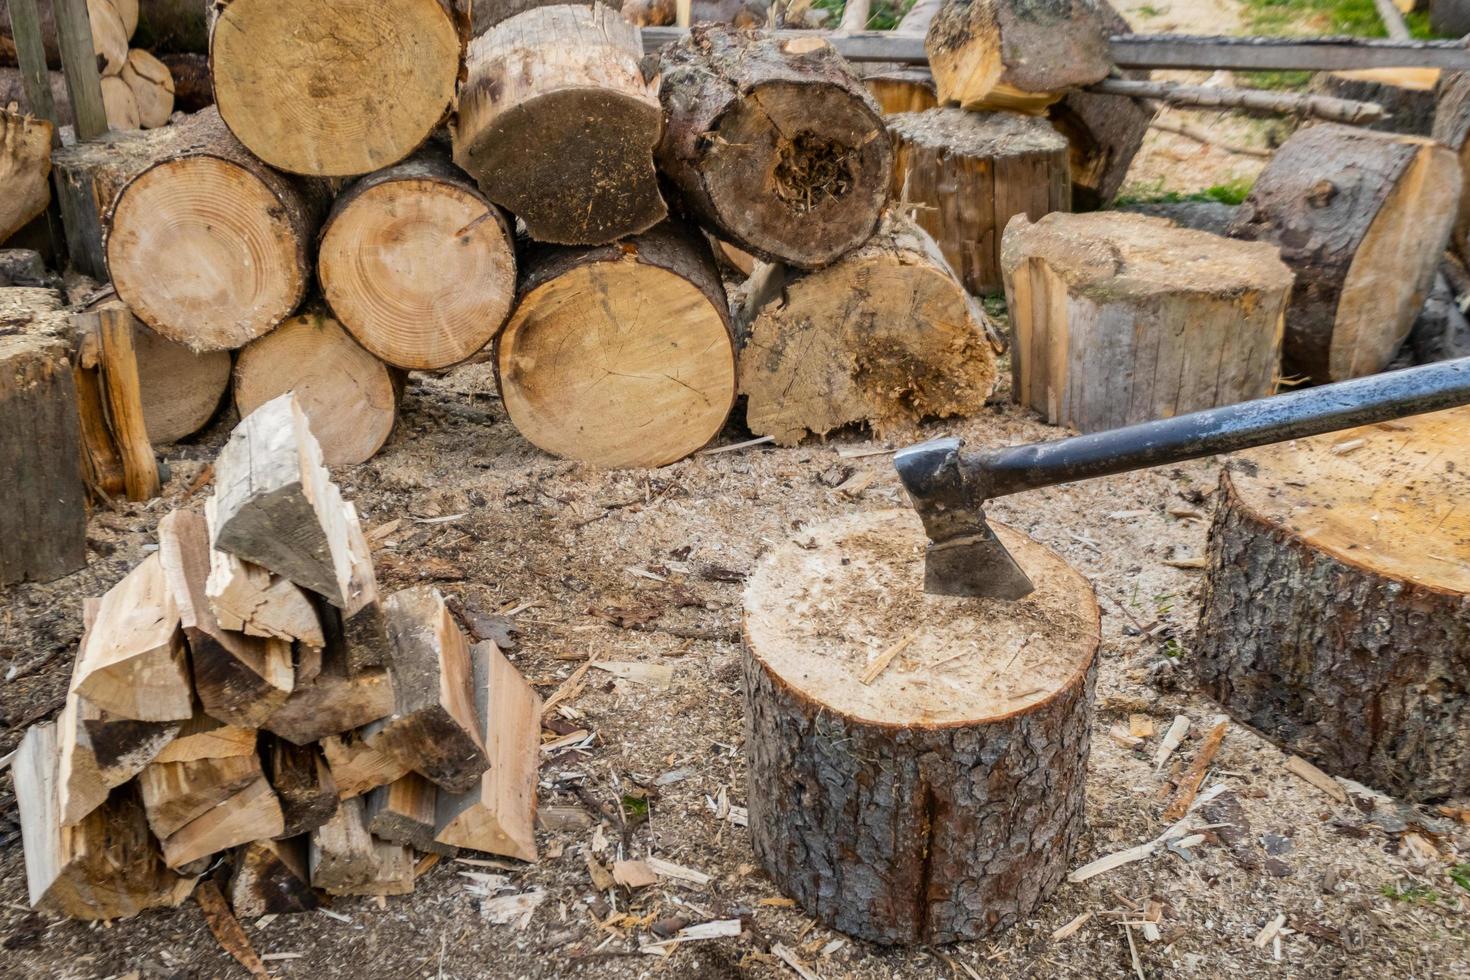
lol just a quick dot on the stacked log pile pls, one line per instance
(213, 683)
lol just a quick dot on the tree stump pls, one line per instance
(1336, 618)
(886, 337)
(205, 244)
(774, 145)
(1119, 318)
(1015, 54)
(973, 172)
(418, 265)
(943, 800)
(620, 355)
(558, 122)
(1362, 218)
(1406, 94)
(335, 89)
(1452, 128)
(901, 89)
(349, 396)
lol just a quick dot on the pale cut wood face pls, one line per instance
(822, 608)
(334, 89)
(620, 364)
(1389, 498)
(419, 272)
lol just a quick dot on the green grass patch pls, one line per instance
(1358, 18)
(883, 15)
(1231, 192)
(1415, 894)
(1460, 875)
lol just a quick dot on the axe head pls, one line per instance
(964, 557)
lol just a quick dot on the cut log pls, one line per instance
(127, 10)
(418, 265)
(270, 878)
(43, 525)
(1406, 94)
(241, 680)
(499, 815)
(177, 793)
(349, 396)
(277, 506)
(1336, 618)
(558, 123)
(775, 146)
(251, 814)
(120, 104)
(25, 169)
(109, 35)
(356, 766)
(181, 388)
(943, 800)
(1449, 18)
(1113, 325)
(303, 783)
(1361, 218)
(1016, 54)
(106, 867)
(346, 860)
(972, 172)
(1452, 128)
(193, 85)
(152, 85)
(899, 89)
(620, 355)
(249, 599)
(132, 662)
(488, 13)
(205, 244)
(364, 83)
(403, 813)
(886, 337)
(434, 728)
(203, 737)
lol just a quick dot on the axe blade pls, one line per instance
(974, 565)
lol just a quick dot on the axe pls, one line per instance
(949, 488)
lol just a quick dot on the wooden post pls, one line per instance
(125, 402)
(30, 51)
(79, 62)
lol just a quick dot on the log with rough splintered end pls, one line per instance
(776, 147)
(942, 801)
(356, 766)
(1365, 557)
(338, 699)
(25, 163)
(349, 396)
(302, 781)
(205, 244)
(558, 124)
(1016, 54)
(885, 337)
(620, 355)
(270, 878)
(249, 599)
(417, 264)
(403, 813)
(105, 867)
(176, 793)
(1122, 318)
(1361, 219)
(251, 814)
(345, 859)
(337, 89)
(434, 728)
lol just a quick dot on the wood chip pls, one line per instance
(1171, 741)
(1186, 563)
(733, 447)
(227, 930)
(1269, 930)
(669, 869)
(885, 658)
(861, 452)
(1190, 783)
(657, 676)
(513, 910)
(602, 879)
(1071, 928)
(633, 874)
(1343, 448)
(1140, 726)
(1301, 767)
(568, 689)
(785, 955)
(1124, 738)
(779, 902)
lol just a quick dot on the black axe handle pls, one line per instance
(1308, 412)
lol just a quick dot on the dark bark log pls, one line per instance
(172, 27)
(193, 85)
(304, 784)
(1452, 128)
(270, 878)
(775, 146)
(1336, 618)
(1406, 94)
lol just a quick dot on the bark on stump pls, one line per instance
(1015, 54)
(558, 123)
(942, 801)
(335, 89)
(972, 172)
(418, 265)
(885, 337)
(620, 355)
(1361, 218)
(349, 396)
(1452, 128)
(1119, 318)
(1337, 614)
(774, 145)
(205, 244)
(1406, 94)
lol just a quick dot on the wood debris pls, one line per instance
(1189, 783)
(668, 869)
(878, 666)
(1304, 769)
(1172, 738)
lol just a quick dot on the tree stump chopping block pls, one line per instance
(774, 145)
(1337, 616)
(1362, 218)
(973, 172)
(1121, 318)
(942, 801)
(558, 123)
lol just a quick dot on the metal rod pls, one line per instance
(1303, 413)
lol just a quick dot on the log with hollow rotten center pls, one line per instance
(1361, 218)
(917, 762)
(1337, 614)
(774, 145)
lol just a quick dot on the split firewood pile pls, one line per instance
(245, 693)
